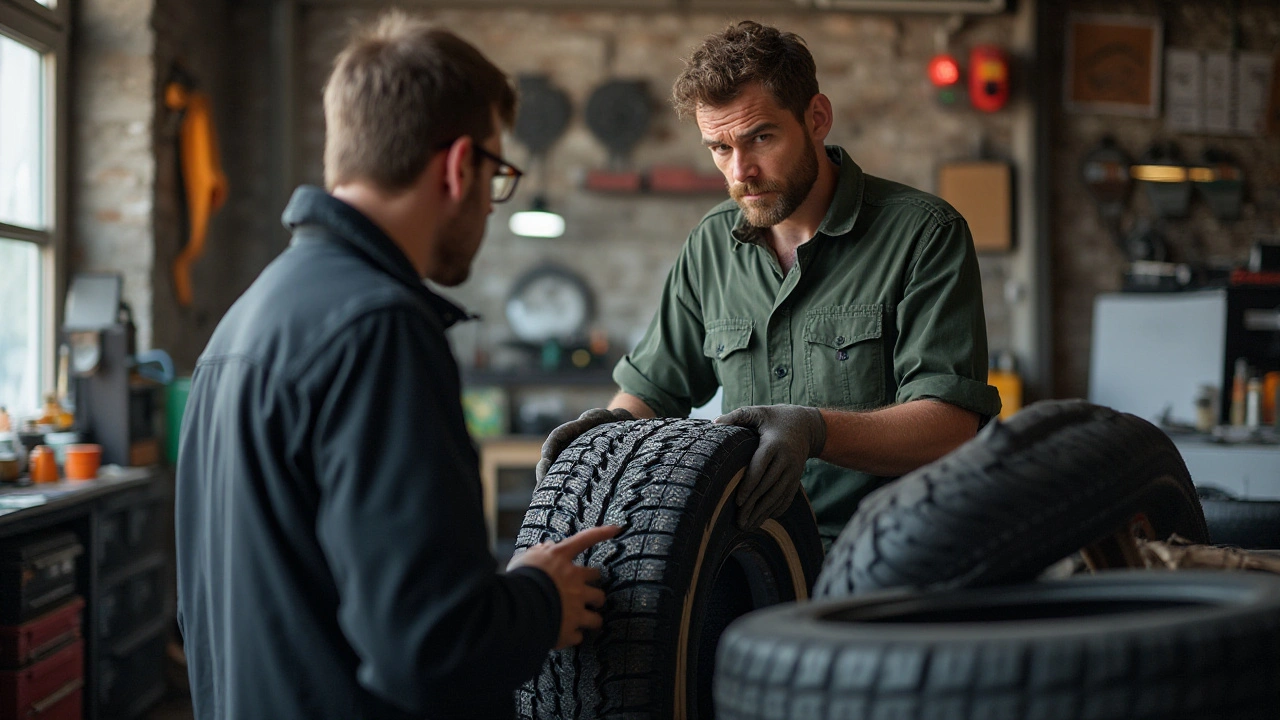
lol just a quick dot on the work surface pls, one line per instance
(23, 502)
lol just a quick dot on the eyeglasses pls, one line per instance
(505, 178)
(503, 183)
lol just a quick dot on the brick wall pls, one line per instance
(127, 194)
(871, 66)
(113, 172)
(192, 36)
(1085, 259)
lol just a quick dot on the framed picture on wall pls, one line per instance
(1113, 64)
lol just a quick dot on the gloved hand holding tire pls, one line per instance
(563, 436)
(789, 435)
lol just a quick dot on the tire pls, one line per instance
(1057, 477)
(675, 576)
(1114, 646)
(1248, 524)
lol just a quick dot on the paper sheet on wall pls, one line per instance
(1219, 80)
(1183, 91)
(1253, 83)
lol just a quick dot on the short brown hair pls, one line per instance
(742, 54)
(401, 89)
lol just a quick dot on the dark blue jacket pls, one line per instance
(332, 555)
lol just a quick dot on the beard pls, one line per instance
(460, 239)
(790, 192)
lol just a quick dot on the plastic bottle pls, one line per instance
(1253, 403)
(1239, 392)
(1206, 418)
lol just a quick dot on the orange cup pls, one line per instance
(44, 466)
(83, 461)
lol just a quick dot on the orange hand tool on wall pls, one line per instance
(206, 185)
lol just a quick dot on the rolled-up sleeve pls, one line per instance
(941, 349)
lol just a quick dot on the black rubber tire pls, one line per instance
(676, 575)
(1055, 478)
(1248, 524)
(1115, 646)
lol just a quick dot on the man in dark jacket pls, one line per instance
(332, 556)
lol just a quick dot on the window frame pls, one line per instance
(47, 31)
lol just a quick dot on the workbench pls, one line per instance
(1246, 470)
(124, 521)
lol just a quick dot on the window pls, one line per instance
(32, 65)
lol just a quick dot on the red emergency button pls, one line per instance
(988, 78)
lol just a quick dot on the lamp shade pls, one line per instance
(537, 222)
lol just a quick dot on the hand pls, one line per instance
(563, 436)
(580, 601)
(789, 435)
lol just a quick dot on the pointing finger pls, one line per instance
(584, 539)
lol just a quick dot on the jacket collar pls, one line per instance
(844, 207)
(311, 208)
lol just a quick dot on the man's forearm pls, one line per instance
(632, 404)
(898, 439)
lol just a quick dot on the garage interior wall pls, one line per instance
(264, 64)
(870, 65)
(1085, 259)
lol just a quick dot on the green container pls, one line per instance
(175, 403)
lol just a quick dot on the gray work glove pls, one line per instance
(563, 436)
(789, 435)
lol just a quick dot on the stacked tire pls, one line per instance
(1116, 646)
(924, 610)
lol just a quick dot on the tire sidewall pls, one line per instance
(788, 557)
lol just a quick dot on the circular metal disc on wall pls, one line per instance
(618, 114)
(549, 302)
(543, 115)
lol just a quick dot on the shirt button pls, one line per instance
(839, 339)
(720, 349)
(842, 355)
(780, 372)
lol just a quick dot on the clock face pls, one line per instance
(548, 303)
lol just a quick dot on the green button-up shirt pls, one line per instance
(883, 306)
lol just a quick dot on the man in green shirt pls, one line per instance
(841, 313)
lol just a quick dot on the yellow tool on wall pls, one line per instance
(202, 176)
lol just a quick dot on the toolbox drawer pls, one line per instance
(37, 573)
(131, 603)
(21, 689)
(32, 640)
(128, 532)
(67, 703)
(126, 678)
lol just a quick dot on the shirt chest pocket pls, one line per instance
(727, 346)
(844, 358)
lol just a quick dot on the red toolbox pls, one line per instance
(28, 642)
(67, 703)
(30, 691)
